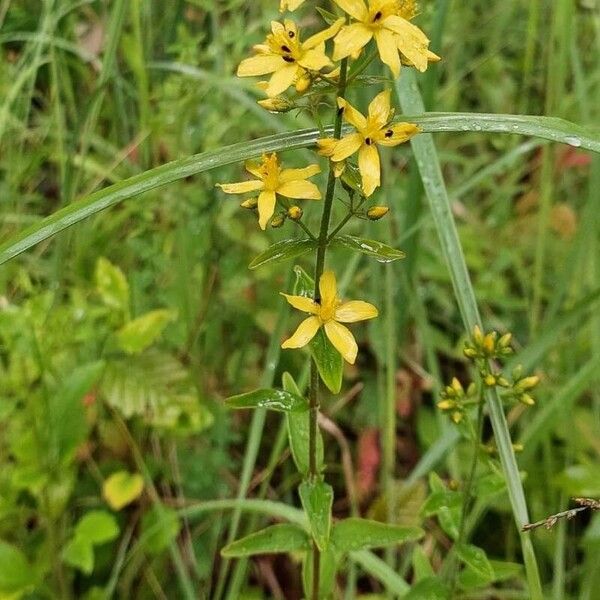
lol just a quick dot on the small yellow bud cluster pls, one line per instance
(278, 104)
(487, 346)
(522, 385)
(454, 399)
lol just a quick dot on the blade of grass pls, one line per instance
(433, 182)
(544, 127)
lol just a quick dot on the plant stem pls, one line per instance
(319, 266)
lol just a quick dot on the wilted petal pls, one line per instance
(398, 134)
(306, 331)
(299, 188)
(292, 174)
(388, 50)
(241, 188)
(266, 208)
(353, 116)
(355, 310)
(369, 167)
(343, 340)
(355, 8)
(319, 38)
(307, 305)
(260, 65)
(351, 39)
(347, 146)
(328, 288)
(282, 79)
(379, 109)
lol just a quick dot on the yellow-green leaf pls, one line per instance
(140, 333)
(122, 488)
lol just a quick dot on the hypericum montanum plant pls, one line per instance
(292, 63)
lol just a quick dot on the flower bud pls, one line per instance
(470, 352)
(526, 399)
(295, 213)
(446, 404)
(477, 335)
(278, 104)
(251, 203)
(377, 212)
(457, 416)
(505, 340)
(456, 385)
(490, 380)
(527, 383)
(303, 84)
(277, 221)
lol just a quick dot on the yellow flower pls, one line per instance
(329, 313)
(387, 22)
(371, 131)
(289, 59)
(272, 180)
(290, 5)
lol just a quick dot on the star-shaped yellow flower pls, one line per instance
(329, 313)
(290, 5)
(371, 131)
(387, 22)
(272, 180)
(289, 59)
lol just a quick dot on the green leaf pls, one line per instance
(421, 565)
(122, 488)
(317, 500)
(16, 574)
(430, 588)
(283, 250)
(271, 540)
(580, 480)
(440, 500)
(97, 527)
(137, 335)
(546, 127)
(79, 553)
(160, 527)
(112, 285)
(329, 361)
(476, 559)
(328, 566)
(298, 432)
(357, 534)
(304, 284)
(66, 418)
(378, 250)
(278, 400)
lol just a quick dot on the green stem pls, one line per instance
(319, 267)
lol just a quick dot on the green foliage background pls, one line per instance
(121, 336)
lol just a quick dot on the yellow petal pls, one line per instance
(355, 8)
(299, 188)
(355, 310)
(306, 331)
(347, 146)
(328, 289)
(293, 174)
(253, 168)
(369, 167)
(410, 40)
(316, 59)
(343, 340)
(281, 80)
(353, 116)
(260, 65)
(433, 57)
(266, 208)
(302, 303)
(388, 51)
(351, 39)
(398, 134)
(277, 28)
(326, 146)
(242, 187)
(319, 38)
(379, 109)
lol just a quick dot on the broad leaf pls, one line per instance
(122, 488)
(97, 527)
(430, 588)
(378, 250)
(279, 400)
(137, 335)
(329, 361)
(79, 553)
(476, 559)
(317, 500)
(15, 571)
(298, 432)
(283, 250)
(271, 540)
(358, 534)
(112, 285)
(160, 527)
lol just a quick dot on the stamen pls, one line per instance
(389, 133)
(377, 16)
(288, 59)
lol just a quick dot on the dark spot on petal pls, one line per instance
(389, 133)
(285, 48)
(368, 141)
(377, 16)
(289, 59)
(340, 110)
(291, 34)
